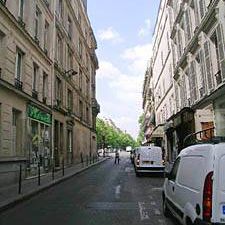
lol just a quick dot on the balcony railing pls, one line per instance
(18, 84)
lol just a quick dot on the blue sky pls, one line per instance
(123, 29)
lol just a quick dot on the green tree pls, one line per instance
(141, 136)
(111, 136)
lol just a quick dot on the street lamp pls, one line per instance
(70, 72)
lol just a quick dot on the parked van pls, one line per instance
(194, 190)
(148, 159)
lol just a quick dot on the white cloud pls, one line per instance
(109, 34)
(138, 56)
(145, 30)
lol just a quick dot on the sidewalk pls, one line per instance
(9, 195)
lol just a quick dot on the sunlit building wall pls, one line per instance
(48, 65)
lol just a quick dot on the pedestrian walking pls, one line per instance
(117, 157)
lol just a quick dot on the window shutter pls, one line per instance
(208, 65)
(220, 40)
(188, 26)
(192, 82)
(202, 69)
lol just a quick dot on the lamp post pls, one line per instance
(70, 72)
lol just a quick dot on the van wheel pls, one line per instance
(166, 211)
(188, 221)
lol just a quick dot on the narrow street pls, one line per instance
(106, 194)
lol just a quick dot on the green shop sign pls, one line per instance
(39, 115)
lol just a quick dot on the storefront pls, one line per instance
(39, 139)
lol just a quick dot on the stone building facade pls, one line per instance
(196, 31)
(48, 66)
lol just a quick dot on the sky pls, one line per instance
(123, 30)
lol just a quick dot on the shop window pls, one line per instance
(16, 131)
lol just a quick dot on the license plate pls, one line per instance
(223, 208)
(146, 162)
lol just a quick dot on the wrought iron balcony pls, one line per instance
(18, 84)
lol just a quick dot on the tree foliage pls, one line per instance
(111, 136)
(140, 137)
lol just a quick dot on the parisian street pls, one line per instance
(105, 194)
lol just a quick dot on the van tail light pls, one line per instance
(138, 160)
(207, 197)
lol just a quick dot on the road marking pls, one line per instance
(143, 212)
(117, 192)
(157, 189)
(129, 169)
(161, 221)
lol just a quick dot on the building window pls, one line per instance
(80, 80)
(70, 100)
(18, 69)
(60, 8)
(69, 58)
(87, 115)
(58, 91)
(21, 9)
(208, 65)
(69, 27)
(218, 42)
(80, 48)
(45, 87)
(202, 8)
(35, 77)
(59, 49)
(37, 24)
(81, 109)
(46, 37)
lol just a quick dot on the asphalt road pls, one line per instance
(107, 194)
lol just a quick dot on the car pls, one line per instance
(148, 159)
(194, 190)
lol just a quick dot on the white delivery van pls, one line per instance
(194, 190)
(148, 159)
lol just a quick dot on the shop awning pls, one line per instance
(158, 132)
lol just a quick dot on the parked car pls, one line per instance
(194, 190)
(148, 159)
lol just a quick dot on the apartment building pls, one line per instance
(196, 38)
(48, 66)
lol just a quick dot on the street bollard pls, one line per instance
(20, 180)
(39, 175)
(87, 160)
(93, 159)
(63, 169)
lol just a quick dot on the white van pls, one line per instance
(194, 190)
(148, 159)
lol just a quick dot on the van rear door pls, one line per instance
(218, 213)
